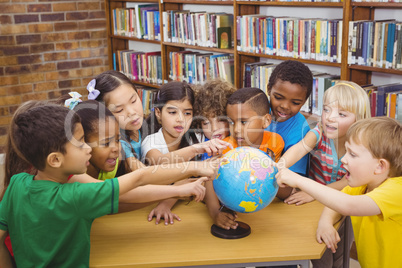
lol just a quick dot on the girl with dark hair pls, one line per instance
(120, 96)
(172, 140)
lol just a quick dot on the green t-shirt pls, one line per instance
(49, 223)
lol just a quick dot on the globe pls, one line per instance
(246, 180)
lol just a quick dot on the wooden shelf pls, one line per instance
(135, 39)
(375, 69)
(326, 63)
(214, 49)
(377, 5)
(195, 2)
(146, 84)
(295, 4)
(137, 1)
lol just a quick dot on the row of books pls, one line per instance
(140, 66)
(197, 68)
(375, 43)
(316, 39)
(140, 21)
(147, 95)
(386, 100)
(198, 28)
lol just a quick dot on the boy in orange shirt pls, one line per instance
(248, 115)
(248, 112)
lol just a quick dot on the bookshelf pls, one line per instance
(350, 11)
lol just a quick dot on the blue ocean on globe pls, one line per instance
(246, 180)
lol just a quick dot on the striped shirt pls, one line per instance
(325, 167)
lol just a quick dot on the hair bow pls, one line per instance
(93, 92)
(73, 101)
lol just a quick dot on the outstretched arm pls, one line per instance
(212, 148)
(348, 205)
(166, 174)
(6, 261)
(297, 151)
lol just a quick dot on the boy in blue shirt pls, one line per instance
(289, 87)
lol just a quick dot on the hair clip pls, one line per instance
(93, 92)
(73, 101)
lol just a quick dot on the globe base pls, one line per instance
(242, 230)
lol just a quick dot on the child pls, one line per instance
(210, 109)
(49, 220)
(289, 87)
(173, 142)
(101, 131)
(344, 104)
(248, 112)
(373, 199)
(119, 94)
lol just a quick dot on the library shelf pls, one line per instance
(134, 39)
(375, 69)
(291, 4)
(146, 84)
(377, 4)
(195, 2)
(316, 62)
(213, 49)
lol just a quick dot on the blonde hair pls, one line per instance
(382, 136)
(351, 97)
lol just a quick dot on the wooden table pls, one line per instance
(280, 233)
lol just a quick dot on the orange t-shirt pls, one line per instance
(270, 142)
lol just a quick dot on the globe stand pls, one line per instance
(242, 230)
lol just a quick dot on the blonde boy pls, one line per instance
(373, 199)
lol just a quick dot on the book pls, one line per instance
(381, 96)
(224, 35)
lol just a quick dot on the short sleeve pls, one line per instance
(126, 149)
(94, 200)
(388, 197)
(316, 130)
(154, 141)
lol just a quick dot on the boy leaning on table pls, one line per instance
(373, 198)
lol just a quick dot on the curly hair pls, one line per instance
(294, 72)
(211, 98)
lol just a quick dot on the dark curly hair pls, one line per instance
(211, 98)
(294, 72)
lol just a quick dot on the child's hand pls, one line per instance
(327, 233)
(212, 147)
(299, 198)
(226, 220)
(286, 177)
(208, 168)
(163, 212)
(194, 188)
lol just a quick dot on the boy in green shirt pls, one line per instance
(49, 220)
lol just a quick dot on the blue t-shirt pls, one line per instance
(292, 131)
(128, 147)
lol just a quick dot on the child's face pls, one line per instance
(215, 128)
(77, 153)
(286, 99)
(247, 127)
(126, 106)
(336, 121)
(175, 118)
(360, 165)
(105, 145)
